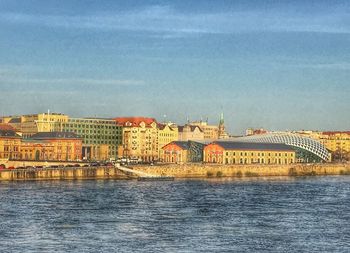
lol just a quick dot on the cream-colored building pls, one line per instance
(211, 132)
(139, 138)
(28, 125)
(190, 133)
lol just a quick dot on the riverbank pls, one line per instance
(177, 171)
(210, 170)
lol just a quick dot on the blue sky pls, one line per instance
(273, 64)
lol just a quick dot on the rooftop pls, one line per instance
(235, 145)
(9, 133)
(135, 121)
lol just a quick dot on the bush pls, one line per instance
(219, 174)
(251, 174)
(209, 174)
(292, 172)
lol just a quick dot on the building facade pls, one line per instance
(166, 134)
(338, 143)
(190, 133)
(230, 152)
(211, 132)
(43, 146)
(183, 152)
(10, 144)
(28, 125)
(52, 146)
(101, 137)
(140, 138)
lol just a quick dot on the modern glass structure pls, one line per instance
(101, 137)
(308, 150)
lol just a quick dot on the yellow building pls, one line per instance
(139, 138)
(29, 125)
(337, 142)
(10, 144)
(53, 146)
(226, 152)
(166, 134)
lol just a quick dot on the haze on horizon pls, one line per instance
(272, 64)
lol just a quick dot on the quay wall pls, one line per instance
(69, 173)
(177, 171)
(205, 171)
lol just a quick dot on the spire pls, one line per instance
(222, 121)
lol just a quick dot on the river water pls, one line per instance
(310, 214)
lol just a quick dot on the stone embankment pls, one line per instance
(177, 171)
(205, 170)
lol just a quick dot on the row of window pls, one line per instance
(252, 154)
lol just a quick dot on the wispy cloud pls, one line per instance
(172, 23)
(70, 81)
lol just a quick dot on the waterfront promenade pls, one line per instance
(177, 171)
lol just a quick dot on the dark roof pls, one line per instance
(55, 135)
(182, 144)
(15, 120)
(235, 145)
(8, 133)
(192, 128)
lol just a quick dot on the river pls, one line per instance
(306, 214)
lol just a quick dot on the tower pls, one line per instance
(222, 132)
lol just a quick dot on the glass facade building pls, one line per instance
(101, 137)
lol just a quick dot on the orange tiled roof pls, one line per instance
(135, 121)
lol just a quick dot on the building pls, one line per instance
(222, 130)
(252, 131)
(28, 125)
(211, 132)
(183, 152)
(101, 137)
(43, 146)
(10, 143)
(307, 150)
(52, 146)
(166, 134)
(338, 143)
(140, 138)
(190, 133)
(233, 152)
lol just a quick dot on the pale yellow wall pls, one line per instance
(252, 157)
(187, 134)
(140, 142)
(165, 136)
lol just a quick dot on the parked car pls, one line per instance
(2, 166)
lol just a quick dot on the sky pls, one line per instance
(280, 65)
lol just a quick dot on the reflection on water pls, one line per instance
(262, 214)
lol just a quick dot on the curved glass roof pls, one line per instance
(295, 140)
